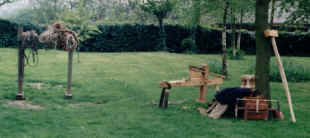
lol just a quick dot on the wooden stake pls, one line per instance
(21, 65)
(162, 97)
(284, 80)
(202, 94)
(69, 79)
(273, 34)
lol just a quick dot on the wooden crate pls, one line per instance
(256, 108)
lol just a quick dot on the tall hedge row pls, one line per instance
(128, 38)
(8, 32)
(146, 38)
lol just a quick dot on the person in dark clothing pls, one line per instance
(229, 96)
(225, 101)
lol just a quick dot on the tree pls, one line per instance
(224, 37)
(299, 9)
(263, 49)
(196, 18)
(273, 8)
(80, 20)
(239, 9)
(160, 9)
(3, 2)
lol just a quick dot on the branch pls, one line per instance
(3, 2)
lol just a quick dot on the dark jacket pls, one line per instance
(229, 95)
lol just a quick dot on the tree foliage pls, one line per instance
(299, 9)
(79, 19)
(3, 2)
(159, 8)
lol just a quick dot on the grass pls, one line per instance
(120, 87)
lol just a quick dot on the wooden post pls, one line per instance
(21, 64)
(273, 34)
(162, 98)
(204, 88)
(69, 79)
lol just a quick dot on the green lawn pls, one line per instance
(112, 95)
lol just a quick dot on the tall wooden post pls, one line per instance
(21, 64)
(204, 88)
(273, 34)
(69, 79)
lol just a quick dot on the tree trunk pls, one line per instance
(162, 34)
(55, 8)
(273, 4)
(224, 36)
(196, 18)
(263, 49)
(239, 32)
(233, 32)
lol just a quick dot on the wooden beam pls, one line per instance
(193, 82)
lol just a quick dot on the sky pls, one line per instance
(10, 8)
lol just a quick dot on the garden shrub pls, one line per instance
(239, 54)
(295, 72)
(188, 46)
(215, 66)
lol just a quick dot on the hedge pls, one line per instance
(128, 38)
(8, 32)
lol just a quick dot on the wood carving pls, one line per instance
(198, 76)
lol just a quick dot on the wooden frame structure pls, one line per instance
(198, 76)
(273, 34)
(21, 68)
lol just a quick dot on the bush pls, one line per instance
(239, 54)
(215, 66)
(188, 46)
(294, 71)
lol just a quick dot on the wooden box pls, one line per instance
(256, 108)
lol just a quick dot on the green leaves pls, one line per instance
(299, 9)
(80, 20)
(158, 8)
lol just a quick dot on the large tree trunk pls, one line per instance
(263, 49)
(224, 36)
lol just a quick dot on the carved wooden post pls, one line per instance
(204, 88)
(163, 102)
(21, 64)
(69, 79)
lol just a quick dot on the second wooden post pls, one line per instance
(69, 75)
